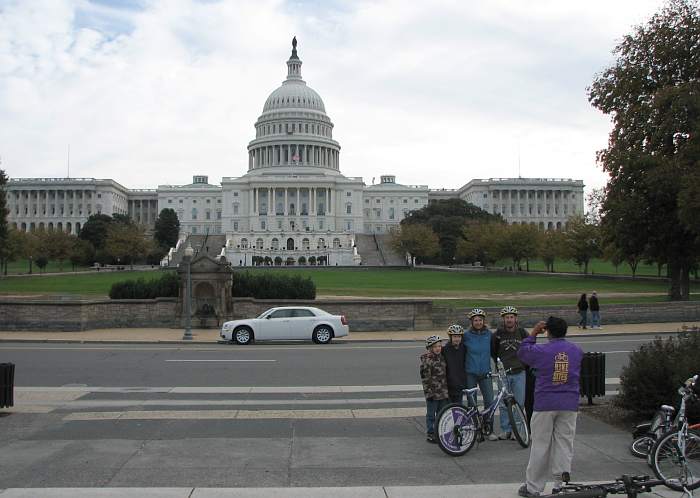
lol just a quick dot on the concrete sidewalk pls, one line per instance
(456, 491)
(211, 336)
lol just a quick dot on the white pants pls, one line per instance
(552, 448)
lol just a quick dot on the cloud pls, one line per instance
(152, 92)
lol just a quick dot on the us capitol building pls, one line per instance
(293, 202)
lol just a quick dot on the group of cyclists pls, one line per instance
(465, 362)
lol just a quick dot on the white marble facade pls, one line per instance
(293, 201)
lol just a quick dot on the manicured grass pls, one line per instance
(22, 267)
(76, 284)
(461, 288)
(596, 267)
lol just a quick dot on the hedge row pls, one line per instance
(165, 286)
(272, 286)
(656, 371)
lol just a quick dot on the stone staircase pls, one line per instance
(210, 244)
(390, 256)
(376, 250)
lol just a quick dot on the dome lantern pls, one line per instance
(294, 63)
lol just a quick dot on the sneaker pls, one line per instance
(493, 437)
(504, 436)
(431, 438)
(524, 492)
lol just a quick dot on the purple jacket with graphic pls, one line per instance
(557, 365)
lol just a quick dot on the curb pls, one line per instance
(337, 341)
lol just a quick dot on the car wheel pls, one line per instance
(322, 334)
(243, 336)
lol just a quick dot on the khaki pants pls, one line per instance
(552, 448)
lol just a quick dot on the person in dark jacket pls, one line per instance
(594, 306)
(433, 374)
(583, 311)
(505, 344)
(455, 354)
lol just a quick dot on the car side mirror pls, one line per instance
(267, 317)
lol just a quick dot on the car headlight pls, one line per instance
(227, 327)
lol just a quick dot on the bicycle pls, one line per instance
(645, 435)
(676, 454)
(459, 426)
(629, 485)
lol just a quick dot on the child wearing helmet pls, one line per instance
(455, 354)
(505, 344)
(477, 339)
(434, 377)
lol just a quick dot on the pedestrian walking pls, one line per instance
(594, 306)
(505, 343)
(455, 354)
(582, 306)
(433, 374)
(478, 366)
(558, 365)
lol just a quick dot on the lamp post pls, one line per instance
(187, 258)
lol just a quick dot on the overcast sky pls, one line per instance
(437, 93)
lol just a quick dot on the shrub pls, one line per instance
(269, 285)
(165, 286)
(656, 371)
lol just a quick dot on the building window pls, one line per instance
(194, 201)
(391, 213)
(244, 242)
(194, 230)
(218, 215)
(405, 201)
(348, 208)
(235, 209)
(378, 201)
(235, 228)
(208, 214)
(194, 214)
(366, 201)
(170, 201)
(348, 194)
(262, 225)
(235, 194)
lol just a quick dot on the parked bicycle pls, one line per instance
(459, 426)
(675, 456)
(632, 486)
(645, 435)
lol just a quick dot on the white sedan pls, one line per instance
(287, 323)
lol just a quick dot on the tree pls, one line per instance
(95, 230)
(652, 93)
(519, 242)
(82, 253)
(4, 230)
(418, 241)
(167, 228)
(41, 262)
(56, 245)
(582, 241)
(551, 247)
(14, 246)
(446, 218)
(126, 243)
(480, 242)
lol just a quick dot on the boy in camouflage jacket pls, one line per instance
(433, 374)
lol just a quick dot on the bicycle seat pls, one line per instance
(470, 390)
(667, 408)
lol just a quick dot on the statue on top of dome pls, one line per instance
(294, 48)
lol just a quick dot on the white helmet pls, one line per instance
(433, 339)
(455, 330)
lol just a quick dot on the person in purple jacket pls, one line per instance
(558, 368)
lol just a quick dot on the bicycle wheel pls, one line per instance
(518, 423)
(678, 470)
(641, 446)
(456, 429)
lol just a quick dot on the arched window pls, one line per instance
(275, 243)
(305, 244)
(244, 243)
(259, 244)
(336, 243)
(290, 244)
(321, 244)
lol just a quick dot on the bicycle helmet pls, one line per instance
(477, 312)
(509, 310)
(433, 339)
(455, 330)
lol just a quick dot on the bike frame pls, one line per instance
(489, 412)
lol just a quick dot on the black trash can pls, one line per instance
(593, 375)
(7, 385)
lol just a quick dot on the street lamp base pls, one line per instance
(187, 336)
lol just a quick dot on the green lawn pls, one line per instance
(596, 266)
(483, 288)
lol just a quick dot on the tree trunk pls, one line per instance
(585, 267)
(685, 282)
(674, 274)
(527, 264)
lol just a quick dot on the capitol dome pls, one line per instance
(294, 94)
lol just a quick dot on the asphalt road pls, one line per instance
(267, 415)
(294, 364)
